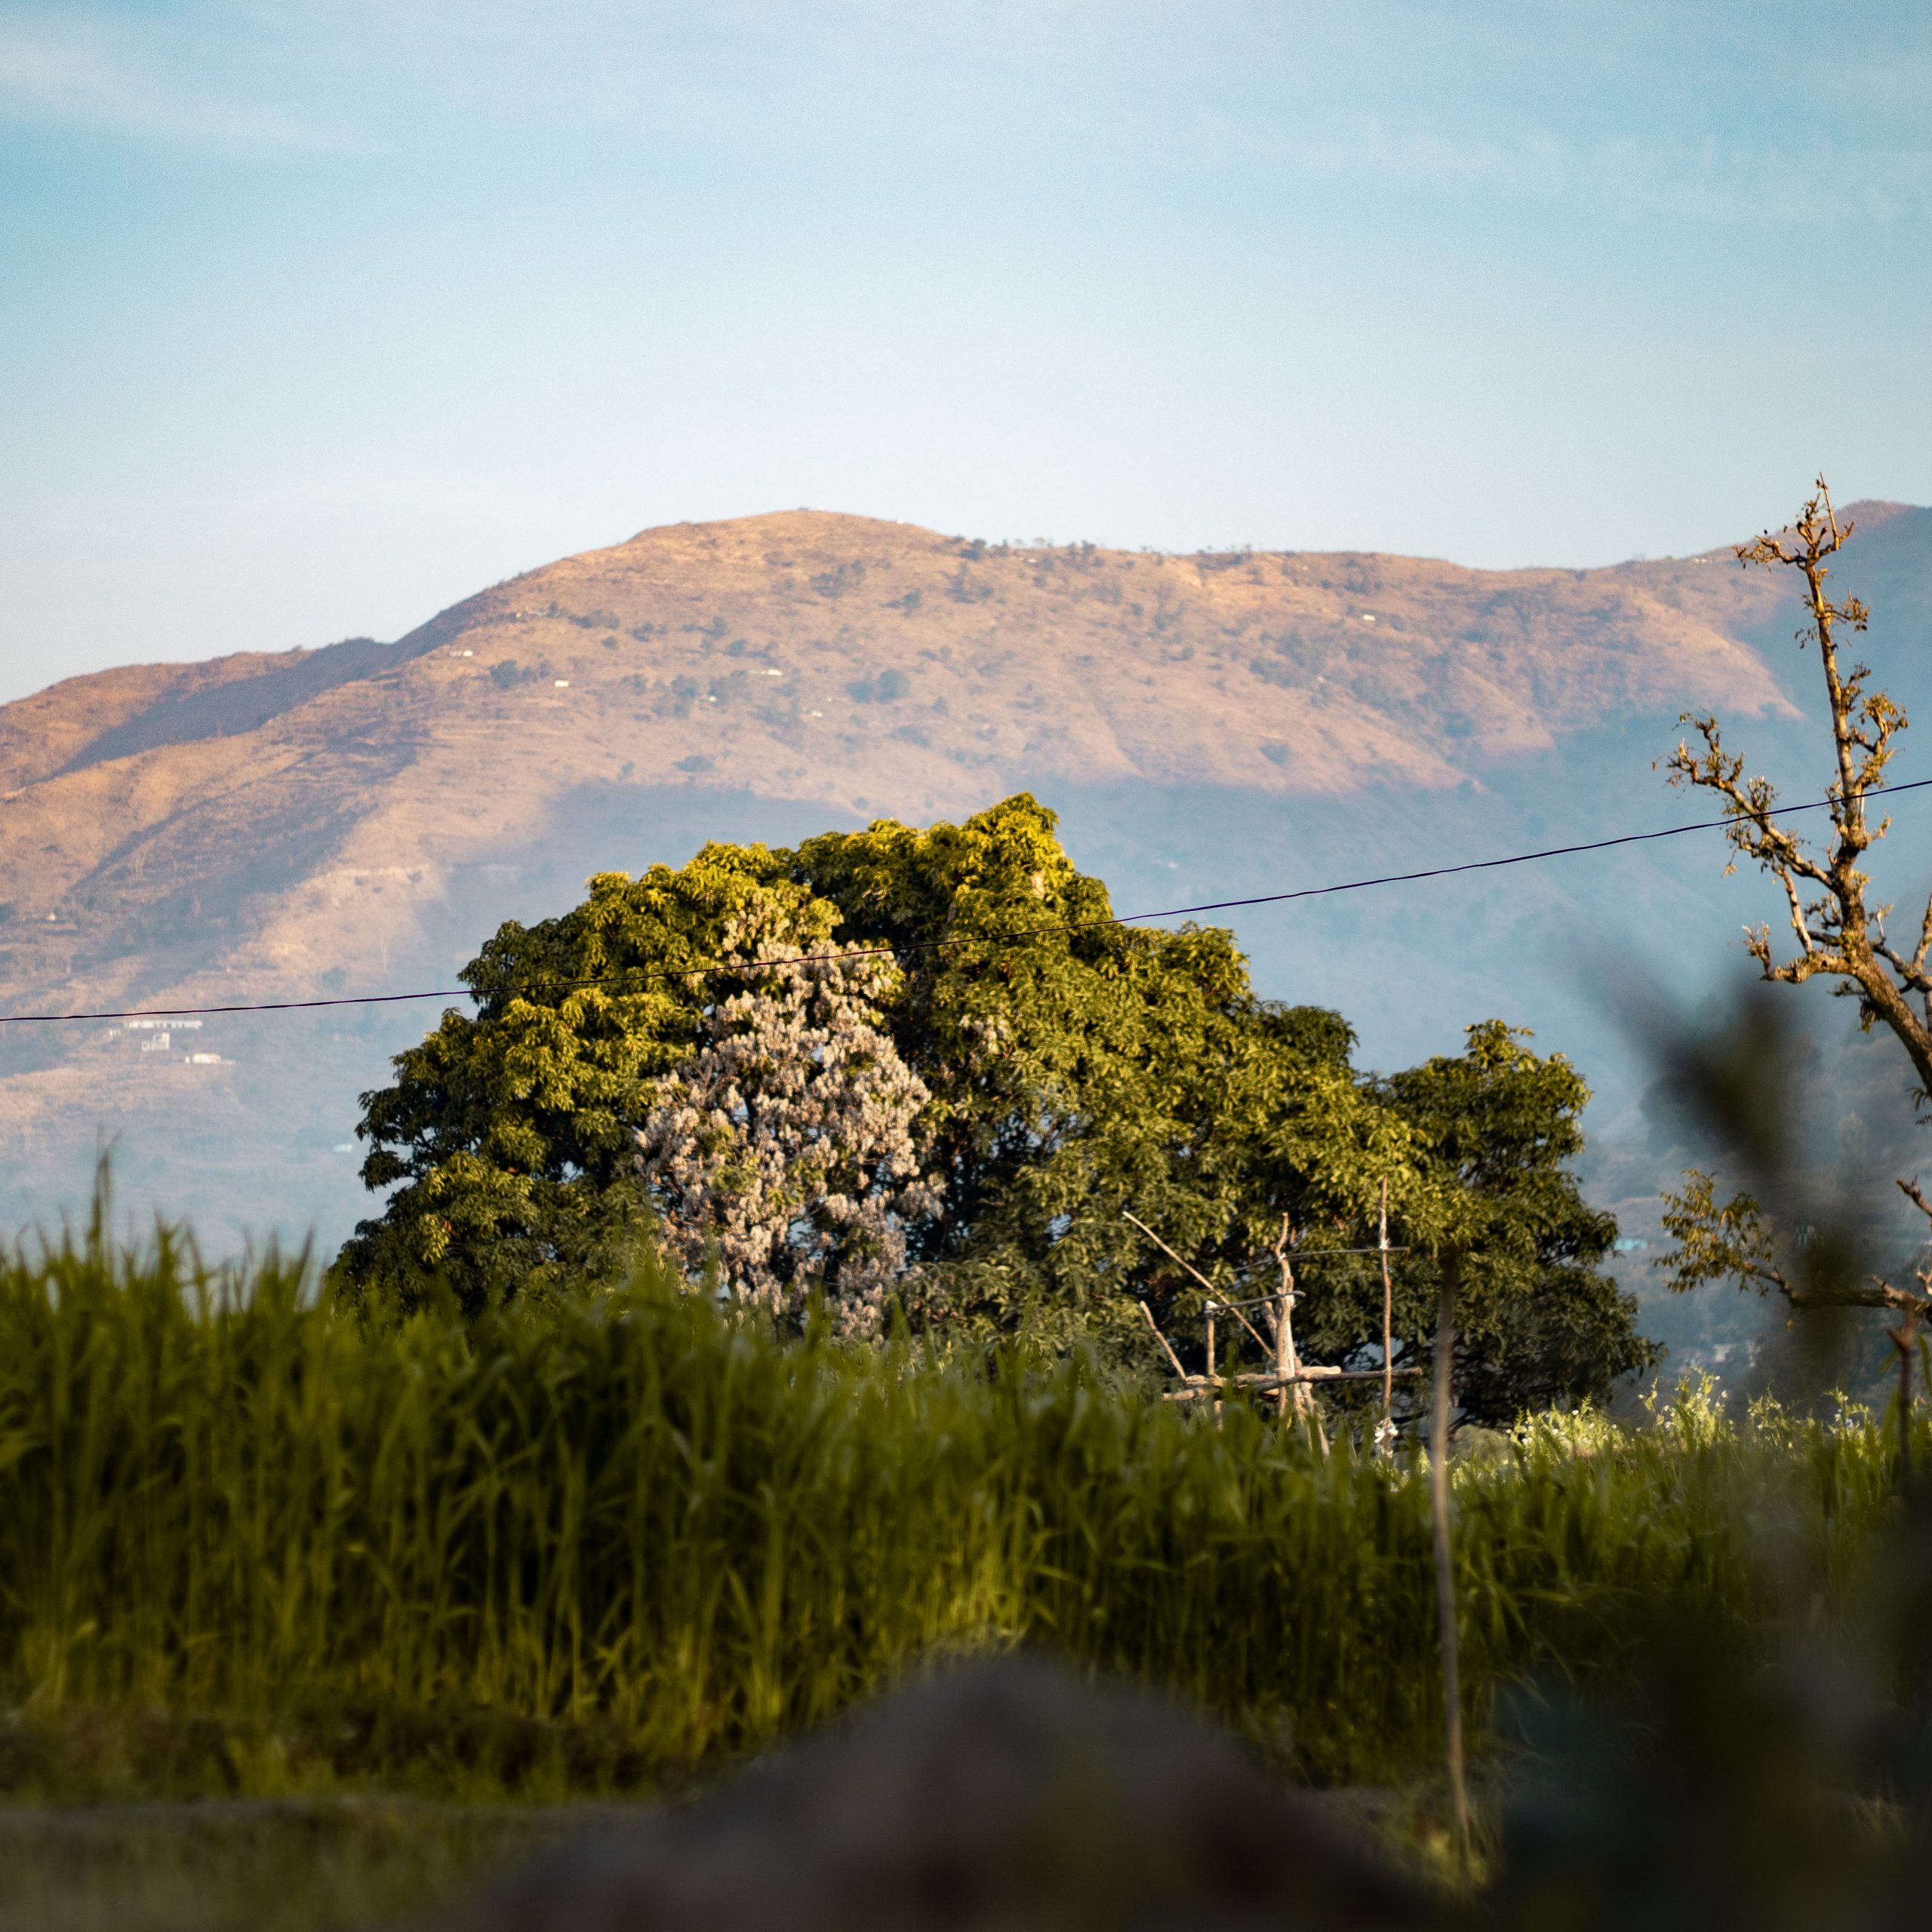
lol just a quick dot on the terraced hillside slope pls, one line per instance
(355, 818)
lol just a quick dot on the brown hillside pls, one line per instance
(271, 826)
(271, 816)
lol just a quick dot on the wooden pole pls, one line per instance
(1285, 1364)
(1234, 1308)
(1388, 1315)
(1163, 1340)
(1211, 1377)
(1445, 1563)
(1905, 1339)
(1197, 1386)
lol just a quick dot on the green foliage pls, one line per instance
(607, 1543)
(1070, 1061)
(1077, 1070)
(1475, 1149)
(1716, 1241)
(1537, 1323)
(511, 1130)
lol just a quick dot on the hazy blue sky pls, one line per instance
(316, 315)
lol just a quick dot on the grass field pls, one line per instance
(247, 1865)
(251, 1548)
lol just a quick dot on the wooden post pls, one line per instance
(1283, 1326)
(1445, 1563)
(1211, 1361)
(1388, 1313)
(1287, 1363)
(1905, 1339)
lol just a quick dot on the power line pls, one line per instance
(1017, 935)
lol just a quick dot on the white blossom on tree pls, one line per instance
(786, 1146)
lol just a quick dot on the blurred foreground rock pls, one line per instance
(1009, 1795)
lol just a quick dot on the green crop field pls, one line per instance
(251, 1547)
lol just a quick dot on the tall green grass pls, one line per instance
(631, 1521)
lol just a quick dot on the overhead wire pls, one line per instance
(1018, 936)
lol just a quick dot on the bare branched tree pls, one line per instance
(1835, 932)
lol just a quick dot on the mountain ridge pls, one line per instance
(293, 824)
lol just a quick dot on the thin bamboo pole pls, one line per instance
(1388, 1315)
(1198, 1386)
(1166, 1349)
(1905, 1339)
(1445, 1561)
(1285, 1364)
(1218, 1301)
(1211, 1375)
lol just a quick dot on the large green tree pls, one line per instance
(1475, 1151)
(1539, 1323)
(1074, 1070)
